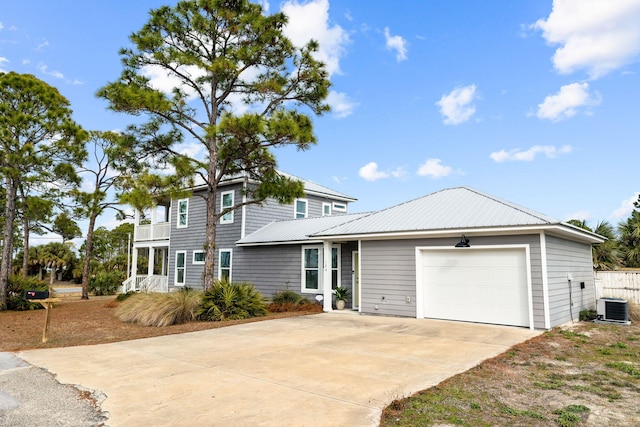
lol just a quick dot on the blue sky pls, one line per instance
(533, 101)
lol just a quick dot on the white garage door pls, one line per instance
(476, 285)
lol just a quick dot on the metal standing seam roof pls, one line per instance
(453, 208)
(309, 186)
(296, 230)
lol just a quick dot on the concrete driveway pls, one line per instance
(322, 370)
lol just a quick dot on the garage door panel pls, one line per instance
(478, 285)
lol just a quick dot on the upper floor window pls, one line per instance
(300, 208)
(339, 207)
(326, 209)
(183, 213)
(226, 201)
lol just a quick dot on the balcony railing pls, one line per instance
(148, 232)
(146, 284)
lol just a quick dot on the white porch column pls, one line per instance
(326, 276)
(134, 264)
(151, 261)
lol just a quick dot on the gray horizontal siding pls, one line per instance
(565, 300)
(388, 269)
(260, 215)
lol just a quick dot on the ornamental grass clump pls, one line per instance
(231, 301)
(156, 309)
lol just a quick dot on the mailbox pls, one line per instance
(36, 294)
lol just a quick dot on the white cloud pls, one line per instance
(190, 149)
(565, 103)
(396, 43)
(457, 107)
(45, 70)
(434, 168)
(371, 173)
(264, 4)
(626, 207)
(598, 36)
(310, 20)
(1, 26)
(529, 155)
(341, 105)
(42, 45)
(3, 60)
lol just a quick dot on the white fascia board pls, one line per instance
(278, 243)
(528, 229)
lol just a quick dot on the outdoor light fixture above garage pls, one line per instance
(463, 243)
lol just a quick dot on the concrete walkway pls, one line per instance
(324, 370)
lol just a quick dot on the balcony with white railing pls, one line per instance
(154, 283)
(150, 232)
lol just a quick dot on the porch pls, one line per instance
(149, 269)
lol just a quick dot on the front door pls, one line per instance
(355, 279)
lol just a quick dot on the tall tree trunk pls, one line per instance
(25, 251)
(210, 234)
(7, 239)
(87, 257)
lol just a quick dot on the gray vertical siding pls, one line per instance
(388, 269)
(564, 257)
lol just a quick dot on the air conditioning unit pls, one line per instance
(612, 310)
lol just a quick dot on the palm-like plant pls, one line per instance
(606, 255)
(227, 301)
(630, 240)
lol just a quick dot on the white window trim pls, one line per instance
(222, 207)
(175, 277)
(339, 207)
(186, 224)
(320, 250)
(193, 257)
(295, 208)
(325, 205)
(230, 264)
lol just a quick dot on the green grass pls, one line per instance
(538, 383)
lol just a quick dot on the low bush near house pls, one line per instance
(15, 292)
(588, 315)
(155, 309)
(290, 301)
(230, 301)
(288, 296)
(106, 283)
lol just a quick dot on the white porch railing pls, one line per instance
(159, 231)
(146, 284)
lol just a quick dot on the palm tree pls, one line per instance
(606, 255)
(630, 240)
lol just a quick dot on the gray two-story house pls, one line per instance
(456, 254)
(168, 242)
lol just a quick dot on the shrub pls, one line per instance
(228, 301)
(588, 315)
(288, 296)
(15, 292)
(156, 309)
(634, 313)
(106, 283)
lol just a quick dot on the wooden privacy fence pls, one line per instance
(619, 284)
